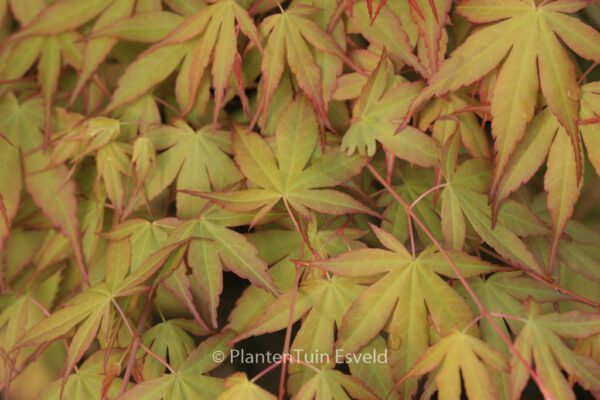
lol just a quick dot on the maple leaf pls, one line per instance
(540, 341)
(208, 36)
(503, 293)
(375, 116)
(460, 354)
(465, 199)
(330, 384)
(546, 138)
(387, 31)
(19, 314)
(212, 247)
(413, 184)
(525, 34)
(49, 36)
(377, 376)
(285, 176)
(321, 304)
(328, 241)
(237, 386)
(89, 381)
(197, 160)
(99, 136)
(450, 115)
(191, 380)
(290, 35)
(169, 340)
(92, 309)
(117, 23)
(410, 284)
(10, 187)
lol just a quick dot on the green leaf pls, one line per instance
(408, 284)
(273, 174)
(331, 384)
(239, 387)
(540, 341)
(198, 160)
(461, 354)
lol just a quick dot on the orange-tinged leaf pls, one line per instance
(54, 192)
(540, 340)
(559, 85)
(289, 35)
(97, 49)
(237, 386)
(10, 187)
(582, 38)
(561, 183)
(148, 27)
(591, 133)
(333, 384)
(62, 16)
(460, 353)
(431, 25)
(484, 11)
(515, 96)
(528, 157)
(296, 139)
(387, 31)
(59, 323)
(145, 73)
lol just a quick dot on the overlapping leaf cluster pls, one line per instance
(411, 178)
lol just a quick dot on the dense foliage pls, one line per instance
(385, 200)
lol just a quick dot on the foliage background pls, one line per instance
(181, 177)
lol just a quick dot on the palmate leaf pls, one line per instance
(290, 36)
(465, 191)
(448, 115)
(330, 384)
(92, 308)
(503, 293)
(10, 186)
(379, 376)
(197, 160)
(191, 380)
(285, 176)
(431, 17)
(387, 31)
(277, 248)
(413, 184)
(169, 340)
(214, 247)
(98, 136)
(101, 42)
(87, 310)
(375, 117)
(239, 387)
(540, 341)
(144, 236)
(589, 132)
(461, 354)
(547, 138)
(89, 381)
(49, 35)
(409, 294)
(321, 304)
(168, 216)
(209, 36)
(528, 34)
